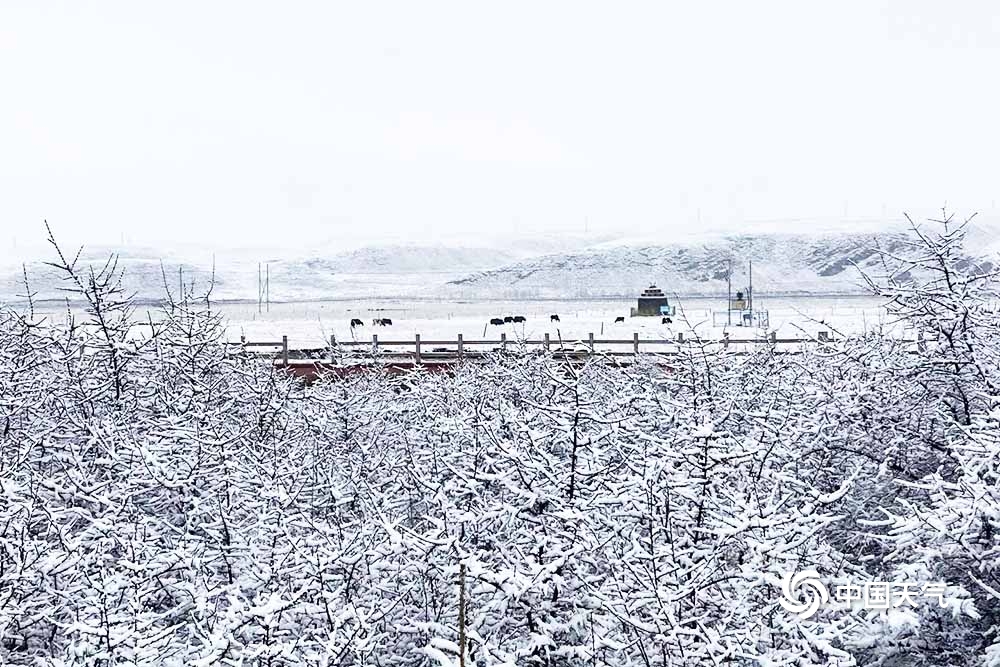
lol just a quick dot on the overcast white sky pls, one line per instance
(238, 122)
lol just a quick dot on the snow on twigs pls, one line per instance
(173, 502)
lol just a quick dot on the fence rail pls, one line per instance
(459, 348)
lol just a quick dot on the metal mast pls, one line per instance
(729, 292)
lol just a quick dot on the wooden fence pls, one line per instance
(418, 350)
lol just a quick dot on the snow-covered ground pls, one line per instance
(311, 324)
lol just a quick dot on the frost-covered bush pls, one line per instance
(943, 525)
(178, 503)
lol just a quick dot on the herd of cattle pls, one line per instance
(496, 321)
(378, 322)
(512, 319)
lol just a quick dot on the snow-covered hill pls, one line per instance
(548, 266)
(783, 263)
(325, 271)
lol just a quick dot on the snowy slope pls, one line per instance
(322, 272)
(782, 264)
(541, 266)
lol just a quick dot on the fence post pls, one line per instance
(374, 343)
(333, 347)
(546, 342)
(680, 337)
(461, 346)
(725, 341)
(635, 342)
(590, 340)
(503, 342)
(284, 350)
(416, 339)
(774, 337)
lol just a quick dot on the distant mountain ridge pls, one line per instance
(783, 264)
(321, 273)
(550, 267)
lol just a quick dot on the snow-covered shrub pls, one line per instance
(942, 525)
(166, 500)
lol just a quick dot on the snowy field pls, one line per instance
(311, 324)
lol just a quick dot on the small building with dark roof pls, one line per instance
(653, 302)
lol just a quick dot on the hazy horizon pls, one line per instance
(34, 248)
(232, 123)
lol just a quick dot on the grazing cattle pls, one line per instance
(553, 318)
(508, 319)
(382, 322)
(619, 319)
(357, 323)
(519, 318)
(666, 320)
(496, 321)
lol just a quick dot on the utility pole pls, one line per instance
(750, 292)
(267, 286)
(729, 292)
(260, 291)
